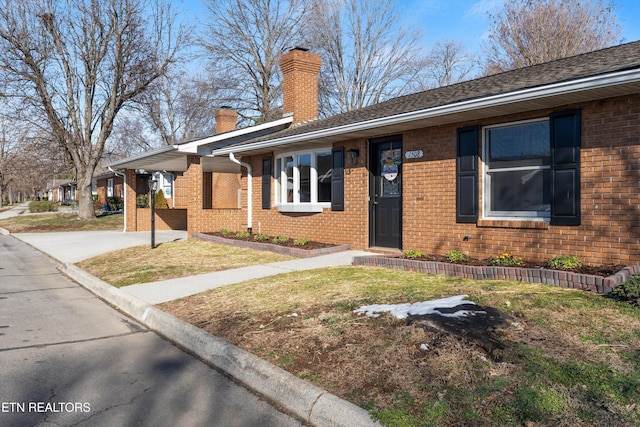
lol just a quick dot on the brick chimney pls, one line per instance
(225, 120)
(300, 70)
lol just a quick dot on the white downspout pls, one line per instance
(124, 184)
(249, 189)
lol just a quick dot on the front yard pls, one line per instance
(547, 356)
(551, 356)
(533, 354)
(52, 222)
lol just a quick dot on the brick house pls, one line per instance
(539, 161)
(107, 185)
(61, 190)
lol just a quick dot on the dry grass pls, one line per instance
(141, 264)
(51, 222)
(566, 357)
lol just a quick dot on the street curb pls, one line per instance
(300, 398)
(4, 232)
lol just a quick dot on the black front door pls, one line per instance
(386, 193)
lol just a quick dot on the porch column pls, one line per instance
(130, 211)
(195, 200)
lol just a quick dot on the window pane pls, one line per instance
(524, 191)
(304, 166)
(323, 167)
(519, 145)
(278, 179)
(288, 164)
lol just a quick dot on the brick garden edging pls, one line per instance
(565, 279)
(284, 250)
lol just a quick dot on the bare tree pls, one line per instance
(77, 63)
(447, 63)
(367, 55)
(528, 32)
(180, 108)
(130, 136)
(245, 40)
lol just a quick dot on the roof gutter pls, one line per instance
(588, 83)
(249, 189)
(142, 156)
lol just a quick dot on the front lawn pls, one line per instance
(52, 222)
(542, 356)
(169, 260)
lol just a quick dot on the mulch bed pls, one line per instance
(602, 270)
(310, 245)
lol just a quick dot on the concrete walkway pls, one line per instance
(167, 290)
(74, 246)
(15, 211)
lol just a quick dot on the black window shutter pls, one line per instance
(337, 179)
(266, 183)
(565, 167)
(467, 175)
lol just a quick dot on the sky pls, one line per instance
(463, 20)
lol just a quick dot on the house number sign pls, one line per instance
(416, 154)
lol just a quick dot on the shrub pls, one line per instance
(280, 239)
(142, 201)
(43, 206)
(225, 232)
(412, 254)
(506, 259)
(161, 201)
(301, 241)
(115, 203)
(454, 255)
(566, 262)
(243, 234)
(260, 237)
(629, 290)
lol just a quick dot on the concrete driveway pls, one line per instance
(74, 246)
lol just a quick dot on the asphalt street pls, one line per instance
(67, 358)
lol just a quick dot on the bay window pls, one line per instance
(303, 181)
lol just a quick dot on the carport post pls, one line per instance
(153, 184)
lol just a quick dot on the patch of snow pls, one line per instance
(424, 347)
(402, 311)
(292, 315)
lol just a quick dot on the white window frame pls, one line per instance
(486, 177)
(280, 191)
(110, 187)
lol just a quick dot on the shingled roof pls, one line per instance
(605, 61)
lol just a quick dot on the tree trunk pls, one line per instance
(85, 197)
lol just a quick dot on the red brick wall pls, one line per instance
(300, 84)
(610, 183)
(130, 201)
(225, 190)
(349, 226)
(166, 219)
(610, 177)
(180, 191)
(610, 168)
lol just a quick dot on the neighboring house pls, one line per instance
(62, 190)
(537, 162)
(107, 185)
